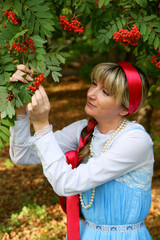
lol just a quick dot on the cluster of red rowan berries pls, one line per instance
(11, 96)
(38, 80)
(159, 5)
(12, 16)
(128, 37)
(73, 26)
(24, 46)
(154, 60)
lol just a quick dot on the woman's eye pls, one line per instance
(105, 92)
(94, 83)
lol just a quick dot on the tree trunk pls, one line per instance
(144, 117)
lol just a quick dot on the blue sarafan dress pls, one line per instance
(119, 209)
(119, 204)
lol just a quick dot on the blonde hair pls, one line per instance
(112, 76)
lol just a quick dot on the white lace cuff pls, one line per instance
(43, 132)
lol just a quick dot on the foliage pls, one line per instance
(38, 20)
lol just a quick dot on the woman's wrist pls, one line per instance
(38, 126)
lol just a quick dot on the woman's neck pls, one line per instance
(105, 127)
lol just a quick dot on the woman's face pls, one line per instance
(101, 105)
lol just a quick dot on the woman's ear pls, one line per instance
(124, 112)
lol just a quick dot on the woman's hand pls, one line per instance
(21, 71)
(18, 76)
(39, 109)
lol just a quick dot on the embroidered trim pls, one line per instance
(137, 179)
(114, 228)
(43, 132)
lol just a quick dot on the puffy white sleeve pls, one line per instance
(21, 142)
(131, 151)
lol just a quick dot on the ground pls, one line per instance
(29, 209)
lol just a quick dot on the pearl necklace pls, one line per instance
(106, 147)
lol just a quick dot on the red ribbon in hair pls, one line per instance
(134, 86)
(72, 206)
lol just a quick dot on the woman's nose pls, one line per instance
(92, 92)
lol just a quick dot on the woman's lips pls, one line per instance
(90, 104)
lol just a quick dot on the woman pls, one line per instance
(112, 157)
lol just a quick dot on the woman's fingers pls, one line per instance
(23, 68)
(23, 74)
(44, 94)
(18, 76)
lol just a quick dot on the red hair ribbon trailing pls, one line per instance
(134, 86)
(70, 205)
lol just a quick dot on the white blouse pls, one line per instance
(131, 150)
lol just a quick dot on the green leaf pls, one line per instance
(42, 68)
(148, 18)
(47, 32)
(46, 21)
(55, 68)
(13, 29)
(5, 130)
(114, 28)
(31, 56)
(65, 54)
(7, 76)
(31, 24)
(55, 78)
(36, 28)
(10, 110)
(3, 90)
(100, 3)
(151, 37)
(19, 103)
(110, 35)
(58, 74)
(2, 80)
(106, 39)
(53, 60)
(37, 38)
(17, 36)
(119, 24)
(34, 2)
(7, 122)
(1, 144)
(49, 27)
(40, 50)
(40, 57)
(6, 59)
(40, 9)
(106, 2)
(6, 35)
(7, 6)
(145, 38)
(148, 31)
(142, 3)
(10, 67)
(46, 73)
(43, 15)
(60, 58)
(27, 16)
(3, 113)
(133, 14)
(4, 137)
(156, 42)
(143, 29)
(102, 31)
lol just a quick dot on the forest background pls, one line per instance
(64, 40)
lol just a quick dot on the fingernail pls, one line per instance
(30, 78)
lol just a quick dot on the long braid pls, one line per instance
(85, 150)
